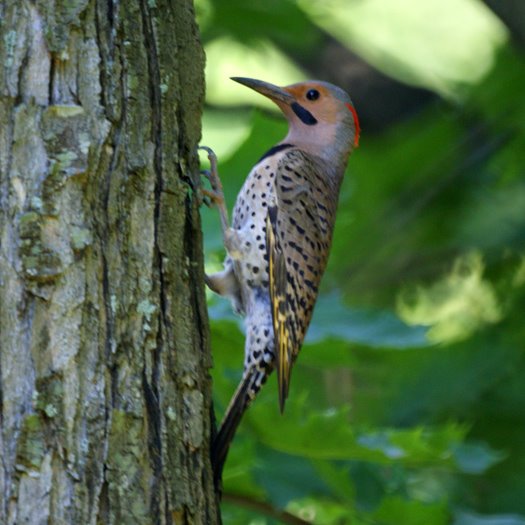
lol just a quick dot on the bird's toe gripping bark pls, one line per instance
(216, 194)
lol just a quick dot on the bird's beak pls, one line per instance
(274, 93)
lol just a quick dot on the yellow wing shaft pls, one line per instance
(277, 284)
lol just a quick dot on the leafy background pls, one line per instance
(407, 403)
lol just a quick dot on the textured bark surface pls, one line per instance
(104, 387)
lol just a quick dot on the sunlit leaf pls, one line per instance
(389, 35)
(229, 58)
(456, 306)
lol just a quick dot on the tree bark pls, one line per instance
(105, 395)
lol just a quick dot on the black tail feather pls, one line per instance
(223, 439)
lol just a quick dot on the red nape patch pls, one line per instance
(356, 124)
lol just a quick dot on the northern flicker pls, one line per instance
(279, 241)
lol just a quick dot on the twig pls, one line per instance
(264, 508)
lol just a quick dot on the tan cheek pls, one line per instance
(327, 114)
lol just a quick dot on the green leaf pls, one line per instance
(285, 477)
(282, 22)
(338, 478)
(396, 510)
(377, 329)
(239, 477)
(329, 435)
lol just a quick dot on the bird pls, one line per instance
(278, 244)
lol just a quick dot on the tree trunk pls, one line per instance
(105, 395)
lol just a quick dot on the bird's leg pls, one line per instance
(232, 238)
(225, 282)
(216, 194)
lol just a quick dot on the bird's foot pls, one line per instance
(210, 197)
(215, 196)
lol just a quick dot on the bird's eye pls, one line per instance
(312, 94)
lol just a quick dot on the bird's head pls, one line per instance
(321, 116)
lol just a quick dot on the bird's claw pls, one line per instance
(206, 201)
(209, 151)
(212, 174)
(204, 194)
(215, 195)
(211, 197)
